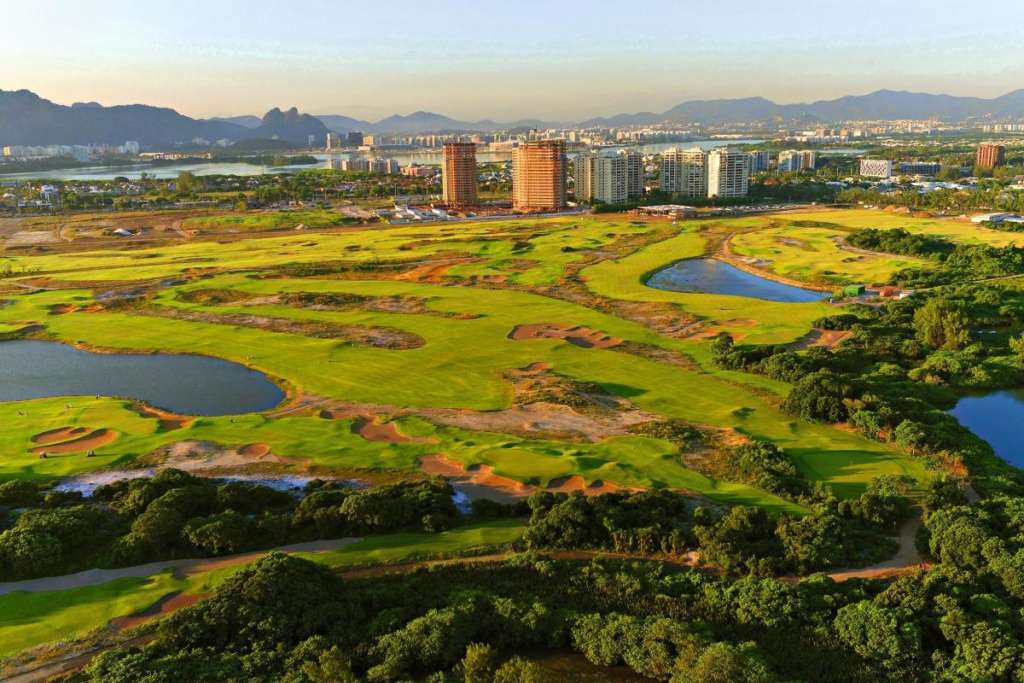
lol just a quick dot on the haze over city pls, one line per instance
(503, 61)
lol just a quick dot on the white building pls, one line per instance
(132, 147)
(601, 178)
(876, 168)
(795, 161)
(728, 173)
(684, 172)
(759, 161)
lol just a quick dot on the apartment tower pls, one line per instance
(728, 173)
(538, 176)
(459, 174)
(990, 156)
(684, 172)
(602, 178)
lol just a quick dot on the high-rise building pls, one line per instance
(538, 176)
(602, 178)
(990, 156)
(354, 138)
(920, 167)
(634, 162)
(759, 160)
(459, 174)
(333, 141)
(728, 173)
(797, 160)
(876, 168)
(684, 172)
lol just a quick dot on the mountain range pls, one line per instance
(27, 119)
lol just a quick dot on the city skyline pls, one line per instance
(222, 58)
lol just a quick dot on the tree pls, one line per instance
(519, 670)
(941, 324)
(727, 663)
(881, 634)
(479, 664)
(330, 667)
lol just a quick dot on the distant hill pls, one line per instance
(345, 124)
(27, 119)
(244, 121)
(881, 105)
(291, 126)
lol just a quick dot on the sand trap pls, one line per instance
(59, 435)
(254, 450)
(578, 483)
(579, 336)
(480, 481)
(383, 432)
(166, 421)
(96, 439)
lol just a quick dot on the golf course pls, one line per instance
(509, 356)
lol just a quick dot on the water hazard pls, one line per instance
(709, 276)
(190, 385)
(997, 418)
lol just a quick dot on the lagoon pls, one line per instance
(710, 276)
(997, 418)
(185, 384)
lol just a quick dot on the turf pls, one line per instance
(31, 619)
(508, 271)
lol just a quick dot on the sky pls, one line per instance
(499, 59)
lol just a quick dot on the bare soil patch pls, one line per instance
(379, 337)
(828, 339)
(169, 603)
(166, 421)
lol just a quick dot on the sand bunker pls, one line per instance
(254, 450)
(372, 429)
(579, 336)
(89, 442)
(578, 483)
(480, 481)
(59, 435)
(167, 421)
(205, 456)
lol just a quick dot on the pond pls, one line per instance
(997, 418)
(189, 385)
(710, 276)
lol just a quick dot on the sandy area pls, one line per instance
(576, 335)
(383, 432)
(202, 456)
(59, 435)
(480, 481)
(92, 441)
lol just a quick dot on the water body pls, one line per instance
(429, 157)
(190, 385)
(997, 418)
(709, 276)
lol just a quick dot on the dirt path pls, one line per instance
(906, 560)
(189, 567)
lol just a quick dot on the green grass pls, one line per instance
(28, 620)
(811, 254)
(462, 365)
(411, 547)
(31, 619)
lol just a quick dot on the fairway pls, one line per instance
(411, 328)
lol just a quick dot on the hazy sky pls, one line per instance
(501, 59)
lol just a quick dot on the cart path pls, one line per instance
(182, 568)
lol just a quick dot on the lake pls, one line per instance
(996, 418)
(427, 157)
(190, 385)
(710, 276)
